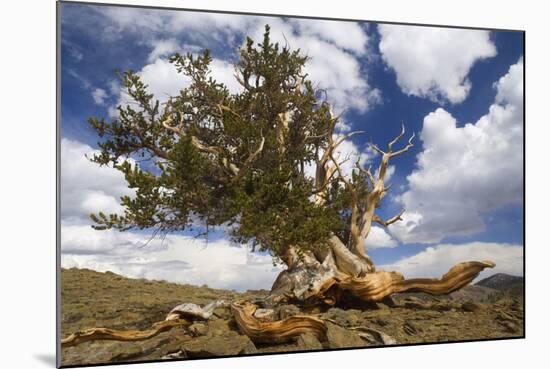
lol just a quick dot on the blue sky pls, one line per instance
(461, 91)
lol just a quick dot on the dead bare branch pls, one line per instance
(392, 220)
(376, 148)
(406, 148)
(392, 142)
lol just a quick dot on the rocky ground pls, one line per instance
(91, 299)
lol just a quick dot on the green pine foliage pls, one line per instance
(267, 202)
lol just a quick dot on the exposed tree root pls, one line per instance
(277, 331)
(376, 286)
(119, 335)
(193, 311)
(372, 287)
(181, 315)
(316, 278)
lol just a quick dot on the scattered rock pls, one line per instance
(170, 344)
(508, 322)
(369, 338)
(105, 300)
(427, 315)
(503, 316)
(342, 317)
(223, 312)
(382, 306)
(516, 306)
(443, 307)
(471, 306)
(367, 315)
(510, 327)
(386, 339)
(413, 302)
(126, 351)
(220, 327)
(166, 339)
(198, 329)
(411, 328)
(249, 348)
(375, 337)
(180, 354)
(379, 321)
(286, 311)
(308, 341)
(72, 318)
(207, 346)
(389, 301)
(339, 337)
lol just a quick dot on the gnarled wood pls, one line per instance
(193, 311)
(310, 275)
(376, 286)
(371, 287)
(119, 335)
(181, 315)
(347, 262)
(306, 278)
(277, 331)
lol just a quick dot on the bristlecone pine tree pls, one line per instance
(208, 156)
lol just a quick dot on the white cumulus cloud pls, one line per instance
(336, 49)
(434, 62)
(87, 187)
(346, 35)
(163, 80)
(335, 60)
(180, 259)
(379, 238)
(464, 172)
(99, 95)
(435, 261)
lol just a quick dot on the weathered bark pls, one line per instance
(372, 287)
(277, 331)
(376, 286)
(306, 278)
(310, 275)
(181, 315)
(120, 335)
(310, 281)
(193, 311)
(349, 263)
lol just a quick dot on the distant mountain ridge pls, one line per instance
(501, 281)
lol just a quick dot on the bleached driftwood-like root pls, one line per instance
(371, 287)
(311, 274)
(193, 311)
(378, 285)
(276, 331)
(181, 315)
(348, 262)
(94, 334)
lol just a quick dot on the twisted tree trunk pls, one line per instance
(328, 274)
